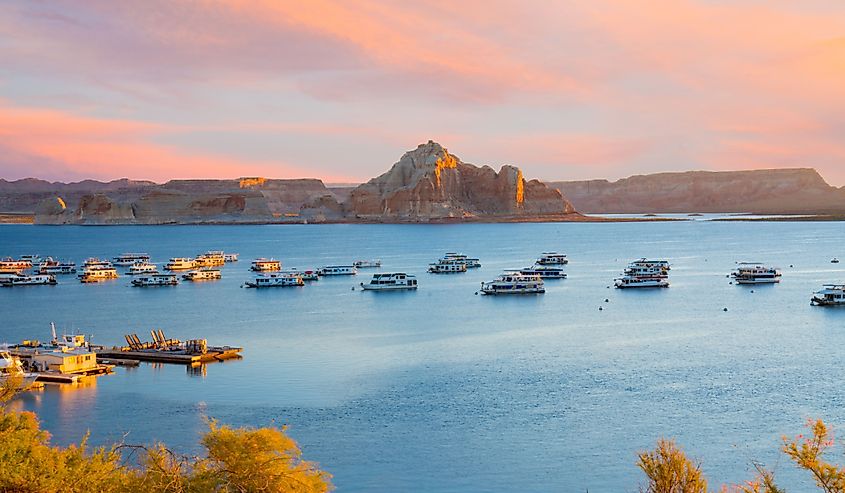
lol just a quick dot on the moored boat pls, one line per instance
(142, 268)
(390, 282)
(447, 266)
(11, 280)
(544, 271)
(338, 270)
(11, 368)
(755, 273)
(306, 275)
(514, 283)
(202, 275)
(210, 259)
(265, 265)
(127, 259)
(367, 264)
(181, 263)
(641, 282)
(829, 295)
(275, 280)
(97, 274)
(552, 258)
(230, 257)
(51, 266)
(10, 265)
(471, 263)
(146, 280)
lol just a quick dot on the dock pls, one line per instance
(164, 350)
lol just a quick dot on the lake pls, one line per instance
(442, 389)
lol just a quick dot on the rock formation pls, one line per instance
(771, 191)
(428, 183)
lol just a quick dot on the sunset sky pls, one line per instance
(159, 89)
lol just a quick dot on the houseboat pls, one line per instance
(829, 295)
(127, 259)
(338, 270)
(12, 368)
(155, 280)
(230, 257)
(444, 266)
(641, 282)
(275, 280)
(306, 275)
(203, 275)
(97, 274)
(10, 280)
(514, 283)
(639, 270)
(366, 264)
(94, 262)
(552, 258)
(51, 266)
(142, 268)
(266, 265)
(755, 273)
(181, 263)
(10, 265)
(471, 263)
(32, 258)
(544, 271)
(391, 282)
(644, 262)
(210, 259)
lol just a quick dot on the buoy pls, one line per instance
(600, 308)
(606, 300)
(752, 290)
(353, 288)
(725, 309)
(476, 293)
(790, 265)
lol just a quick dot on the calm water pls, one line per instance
(444, 390)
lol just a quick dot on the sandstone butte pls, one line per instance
(428, 184)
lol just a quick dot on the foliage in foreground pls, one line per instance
(669, 470)
(236, 460)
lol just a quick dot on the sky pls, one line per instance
(166, 89)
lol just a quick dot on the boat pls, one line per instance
(265, 265)
(210, 259)
(366, 264)
(128, 259)
(642, 270)
(834, 260)
(95, 262)
(10, 280)
(306, 275)
(202, 275)
(31, 258)
(644, 262)
(641, 282)
(447, 266)
(275, 280)
(142, 268)
(544, 271)
(829, 295)
(155, 280)
(10, 265)
(514, 283)
(755, 273)
(390, 282)
(181, 263)
(12, 368)
(51, 266)
(552, 258)
(471, 263)
(338, 270)
(97, 274)
(230, 257)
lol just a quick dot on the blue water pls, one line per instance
(444, 390)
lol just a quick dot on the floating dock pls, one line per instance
(164, 350)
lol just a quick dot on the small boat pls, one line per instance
(755, 273)
(51, 266)
(143, 268)
(127, 259)
(471, 263)
(829, 295)
(544, 271)
(641, 282)
(10, 280)
(202, 275)
(338, 270)
(514, 283)
(275, 280)
(12, 368)
(306, 275)
(366, 264)
(834, 260)
(446, 266)
(155, 280)
(181, 263)
(552, 258)
(230, 257)
(97, 274)
(390, 282)
(265, 265)
(210, 259)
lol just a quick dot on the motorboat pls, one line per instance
(128, 259)
(142, 268)
(641, 282)
(366, 264)
(545, 271)
(202, 275)
(306, 275)
(446, 266)
(471, 263)
(275, 280)
(338, 270)
(181, 263)
(552, 258)
(146, 280)
(514, 283)
(265, 265)
(390, 282)
(755, 273)
(10, 280)
(829, 295)
(11, 367)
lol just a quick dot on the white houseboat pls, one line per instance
(445, 266)
(10, 280)
(306, 275)
(127, 259)
(514, 283)
(644, 262)
(155, 280)
(755, 273)
(641, 282)
(265, 265)
(203, 275)
(471, 263)
(94, 262)
(51, 266)
(544, 271)
(274, 280)
(338, 270)
(142, 268)
(552, 258)
(367, 264)
(390, 282)
(829, 295)
(639, 270)
(97, 274)
(230, 257)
